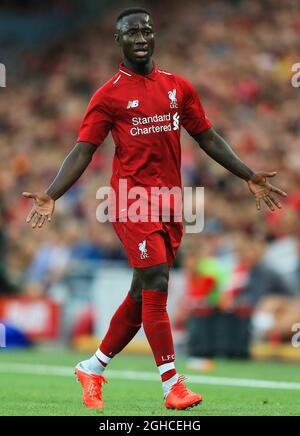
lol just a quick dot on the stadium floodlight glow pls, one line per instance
(2, 76)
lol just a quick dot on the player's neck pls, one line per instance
(143, 70)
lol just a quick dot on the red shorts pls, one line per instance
(149, 243)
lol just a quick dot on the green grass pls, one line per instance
(33, 394)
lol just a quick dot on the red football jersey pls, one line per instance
(144, 115)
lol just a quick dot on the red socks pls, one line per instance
(124, 325)
(158, 331)
(127, 321)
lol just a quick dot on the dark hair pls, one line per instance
(130, 11)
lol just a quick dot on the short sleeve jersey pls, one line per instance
(145, 115)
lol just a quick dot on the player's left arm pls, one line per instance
(219, 150)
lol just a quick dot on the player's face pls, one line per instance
(136, 38)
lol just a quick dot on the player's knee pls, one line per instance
(156, 277)
(136, 287)
(136, 294)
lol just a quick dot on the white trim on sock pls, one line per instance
(169, 383)
(102, 357)
(91, 366)
(166, 367)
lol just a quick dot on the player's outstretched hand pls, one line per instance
(42, 209)
(263, 190)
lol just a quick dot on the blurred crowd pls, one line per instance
(239, 55)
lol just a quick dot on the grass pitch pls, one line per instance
(40, 382)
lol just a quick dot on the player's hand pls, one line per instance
(42, 210)
(263, 190)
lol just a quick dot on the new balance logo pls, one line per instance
(132, 103)
(143, 249)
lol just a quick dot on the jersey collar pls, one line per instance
(130, 74)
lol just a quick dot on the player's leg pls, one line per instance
(124, 325)
(136, 288)
(158, 331)
(156, 321)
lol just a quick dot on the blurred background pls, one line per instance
(235, 289)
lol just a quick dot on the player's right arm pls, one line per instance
(200, 128)
(96, 124)
(72, 168)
